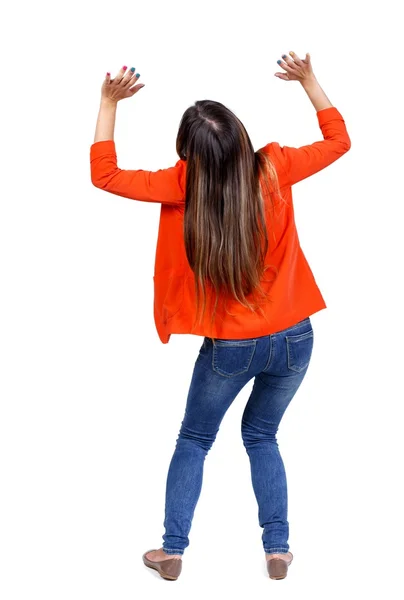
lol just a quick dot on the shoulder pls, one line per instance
(169, 183)
(274, 151)
(177, 174)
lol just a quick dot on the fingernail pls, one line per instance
(124, 68)
(279, 62)
(108, 74)
(283, 55)
(292, 53)
(137, 75)
(133, 69)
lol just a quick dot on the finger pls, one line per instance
(289, 61)
(120, 75)
(295, 57)
(132, 78)
(127, 78)
(282, 76)
(108, 78)
(288, 67)
(136, 88)
(305, 60)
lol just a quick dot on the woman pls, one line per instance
(227, 241)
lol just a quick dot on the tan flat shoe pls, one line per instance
(168, 569)
(278, 567)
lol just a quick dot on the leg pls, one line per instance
(210, 395)
(272, 392)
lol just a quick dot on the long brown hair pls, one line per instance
(225, 234)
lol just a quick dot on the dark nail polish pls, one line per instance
(132, 69)
(279, 62)
(137, 75)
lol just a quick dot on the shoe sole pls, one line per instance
(157, 567)
(277, 568)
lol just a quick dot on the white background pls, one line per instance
(92, 401)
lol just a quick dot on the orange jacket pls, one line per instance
(294, 293)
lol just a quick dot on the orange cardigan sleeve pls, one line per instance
(164, 185)
(299, 163)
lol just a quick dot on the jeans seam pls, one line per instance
(291, 339)
(300, 336)
(270, 353)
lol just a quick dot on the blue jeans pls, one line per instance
(278, 362)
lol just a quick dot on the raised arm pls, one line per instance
(299, 163)
(165, 186)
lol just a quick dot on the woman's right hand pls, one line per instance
(296, 69)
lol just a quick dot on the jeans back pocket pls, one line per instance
(299, 348)
(232, 357)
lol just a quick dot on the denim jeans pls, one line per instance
(278, 363)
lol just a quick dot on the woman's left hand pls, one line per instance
(122, 86)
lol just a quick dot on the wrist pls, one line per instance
(309, 82)
(108, 102)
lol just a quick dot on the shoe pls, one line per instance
(168, 569)
(278, 567)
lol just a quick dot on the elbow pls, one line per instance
(347, 144)
(94, 179)
(102, 179)
(95, 182)
(98, 182)
(343, 148)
